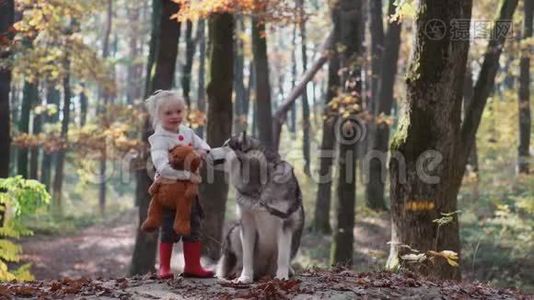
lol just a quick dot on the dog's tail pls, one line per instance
(227, 263)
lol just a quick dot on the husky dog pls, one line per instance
(271, 215)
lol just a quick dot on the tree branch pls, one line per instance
(279, 116)
(486, 79)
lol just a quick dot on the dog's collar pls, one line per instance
(273, 211)
(282, 215)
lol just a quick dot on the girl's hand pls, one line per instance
(195, 178)
(203, 153)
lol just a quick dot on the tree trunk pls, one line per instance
(214, 193)
(524, 93)
(6, 21)
(135, 68)
(292, 124)
(157, 7)
(188, 66)
(165, 39)
(201, 101)
(57, 205)
(84, 102)
(347, 16)
(384, 100)
(306, 126)
(240, 114)
(280, 85)
(14, 114)
(169, 35)
(377, 47)
(321, 221)
(251, 86)
(144, 253)
(430, 140)
(53, 97)
(30, 93)
(263, 88)
(103, 96)
(468, 98)
(35, 151)
(483, 87)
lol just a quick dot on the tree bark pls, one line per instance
(104, 97)
(163, 50)
(306, 126)
(157, 8)
(135, 67)
(169, 35)
(53, 97)
(263, 87)
(35, 151)
(524, 93)
(377, 47)
(384, 100)
(321, 221)
(251, 86)
(60, 162)
(423, 169)
(240, 115)
(213, 194)
(190, 46)
(201, 101)
(348, 16)
(292, 124)
(30, 93)
(468, 98)
(84, 103)
(7, 14)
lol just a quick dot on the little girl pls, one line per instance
(166, 110)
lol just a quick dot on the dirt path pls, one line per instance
(102, 250)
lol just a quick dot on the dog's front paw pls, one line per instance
(282, 275)
(243, 279)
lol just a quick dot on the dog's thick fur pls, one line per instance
(271, 215)
(177, 195)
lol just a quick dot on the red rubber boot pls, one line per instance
(165, 253)
(192, 261)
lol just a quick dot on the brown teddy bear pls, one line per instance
(174, 194)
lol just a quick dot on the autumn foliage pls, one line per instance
(272, 10)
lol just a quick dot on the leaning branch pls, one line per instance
(279, 116)
(486, 79)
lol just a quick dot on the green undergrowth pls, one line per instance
(498, 205)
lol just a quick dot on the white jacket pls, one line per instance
(163, 140)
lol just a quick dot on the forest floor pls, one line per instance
(310, 284)
(104, 249)
(92, 262)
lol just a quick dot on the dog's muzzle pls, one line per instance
(218, 155)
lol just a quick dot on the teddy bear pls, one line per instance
(177, 195)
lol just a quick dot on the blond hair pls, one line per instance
(158, 99)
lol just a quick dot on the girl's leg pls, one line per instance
(167, 239)
(193, 247)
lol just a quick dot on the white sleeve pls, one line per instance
(199, 143)
(160, 159)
